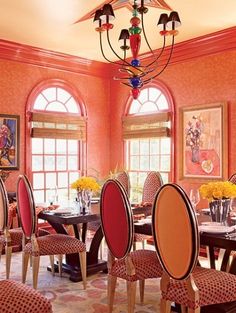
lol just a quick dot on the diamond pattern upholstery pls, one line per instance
(19, 298)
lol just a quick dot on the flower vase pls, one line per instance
(195, 154)
(86, 196)
(219, 210)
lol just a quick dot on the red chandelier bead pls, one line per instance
(107, 26)
(135, 21)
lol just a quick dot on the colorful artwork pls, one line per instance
(9, 141)
(204, 142)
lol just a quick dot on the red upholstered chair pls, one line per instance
(56, 244)
(151, 185)
(123, 178)
(9, 238)
(117, 225)
(16, 297)
(176, 238)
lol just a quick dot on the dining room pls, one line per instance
(80, 109)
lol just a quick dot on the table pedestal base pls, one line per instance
(75, 273)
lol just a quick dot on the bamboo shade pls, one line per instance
(45, 125)
(146, 126)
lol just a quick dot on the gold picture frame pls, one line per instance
(204, 142)
(9, 141)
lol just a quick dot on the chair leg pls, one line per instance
(8, 251)
(52, 264)
(25, 261)
(35, 268)
(60, 257)
(83, 267)
(141, 290)
(143, 244)
(165, 306)
(134, 245)
(131, 292)
(111, 286)
(194, 311)
(1, 247)
(184, 309)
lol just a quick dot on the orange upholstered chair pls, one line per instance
(55, 244)
(176, 238)
(117, 225)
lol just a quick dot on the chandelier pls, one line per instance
(133, 73)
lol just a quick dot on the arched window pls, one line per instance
(58, 131)
(146, 131)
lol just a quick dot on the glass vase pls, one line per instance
(85, 201)
(219, 210)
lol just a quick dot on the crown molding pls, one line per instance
(50, 59)
(185, 51)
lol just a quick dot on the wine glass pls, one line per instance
(194, 197)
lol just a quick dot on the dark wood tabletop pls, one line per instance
(213, 241)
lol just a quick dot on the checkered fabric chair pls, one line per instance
(16, 297)
(123, 178)
(9, 238)
(117, 225)
(176, 238)
(55, 244)
(151, 185)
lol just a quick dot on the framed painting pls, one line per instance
(204, 142)
(9, 141)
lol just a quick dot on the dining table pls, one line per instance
(220, 236)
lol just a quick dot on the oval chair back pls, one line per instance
(26, 206)
(116, 218)
(3, 206)
(232, 179)
(123, 178)
(175, 231)
(151, 185)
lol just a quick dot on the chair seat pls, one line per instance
(214, 287)
(141, 237)
(17, 236)
(146, 264)
(57, 244)
(19, 298)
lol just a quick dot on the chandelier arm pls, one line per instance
(159, 55)
(125, 62)
(144, 34)
(103, 54)
(168, 61)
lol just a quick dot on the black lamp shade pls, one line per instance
(163, 19)
(97, 16)
(174, 20)
(107, 13)
(124, 34)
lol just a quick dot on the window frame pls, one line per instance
(166, 92)
(82, 146)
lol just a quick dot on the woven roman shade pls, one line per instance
(146, 126)
(59, 126)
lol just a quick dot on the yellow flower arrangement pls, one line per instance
(85, 183)
(218, 190)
